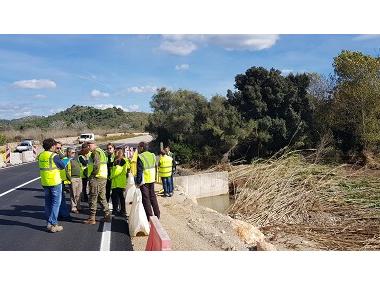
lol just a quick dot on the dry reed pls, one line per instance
(334, 207)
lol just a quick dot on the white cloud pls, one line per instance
(366, 37)
(56, 110)
(142, 89)
(23, 114)
(106, 106)
(183, 66)
(40, 96)
(286, 71)
(13, 111)
(99, 94)
(35, 84)
(186, 44)
(178, 47)
(131, 108)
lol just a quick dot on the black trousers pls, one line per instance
(118, 199)
(84, 190)
(149, 200)
(108, 190)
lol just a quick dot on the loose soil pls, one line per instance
(194, 227)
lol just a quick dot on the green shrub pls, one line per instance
(3, 139)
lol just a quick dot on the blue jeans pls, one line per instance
(63, 209)
(167, 184)
(53, 196)
(171, 184)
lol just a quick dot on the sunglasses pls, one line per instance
(58, 148)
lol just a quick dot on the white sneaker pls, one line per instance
(56, 228)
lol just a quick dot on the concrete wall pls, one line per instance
(203, 185)
(27, 156)
(16, 158)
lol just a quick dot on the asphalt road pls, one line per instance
(23, 225)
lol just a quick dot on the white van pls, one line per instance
(86, 137)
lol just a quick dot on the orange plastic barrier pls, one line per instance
(158, 238)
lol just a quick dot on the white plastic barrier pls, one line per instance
(16, 158)
(138, 222)
(130, 192)
(27, 156)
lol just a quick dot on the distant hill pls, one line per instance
(82, 117)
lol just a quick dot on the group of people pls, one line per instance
(93, 175)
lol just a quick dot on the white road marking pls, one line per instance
(105, 244)
(17, 165)
(13, 189)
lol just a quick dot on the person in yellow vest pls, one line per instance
(110, 158)
(73, 175)
(97, 167)
(50, 166)
(119, 172)
(145, 178)
(165, 166)
(63, 213)
(134, 163)
(84, 155)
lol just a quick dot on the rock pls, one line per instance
(248, 233)
(265, 246)
(223, 231)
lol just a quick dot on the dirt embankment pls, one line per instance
(193, 227)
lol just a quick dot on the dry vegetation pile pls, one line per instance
(335, 208)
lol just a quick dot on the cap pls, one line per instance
(87, 143)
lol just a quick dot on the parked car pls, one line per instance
(86, 137)
(25, 145)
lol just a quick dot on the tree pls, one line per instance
(221, 130)
(177, 117)
(276, 110)
(321, 90)
(79, 125)
(356, 104)
(58, 124)
(200, 132)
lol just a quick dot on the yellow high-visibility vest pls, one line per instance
(62, 173)
(165, 166)
(90, 164)
(134, 163)
(103, 164)
(49, 172)
(149, 166)
(119, 175)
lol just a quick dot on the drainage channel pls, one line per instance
(219, 203)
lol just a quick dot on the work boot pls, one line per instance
(55, 229)
(107, 218)
(90, 221)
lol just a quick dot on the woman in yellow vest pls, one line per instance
(165, 166)
(119, 170)
(50, 166)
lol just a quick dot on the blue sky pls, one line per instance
(43, 74)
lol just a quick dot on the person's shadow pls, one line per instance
(18, 212)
